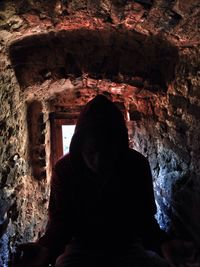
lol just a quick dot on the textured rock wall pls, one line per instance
(156, 83)
(168, 133)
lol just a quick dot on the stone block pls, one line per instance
(135, 115)
(194, 110)
(178, 101)
(184, 7)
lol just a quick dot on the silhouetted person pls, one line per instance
(102, 207)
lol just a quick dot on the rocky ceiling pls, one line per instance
(118, 55)
(132, 42)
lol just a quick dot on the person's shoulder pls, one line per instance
(63, 164)
(136, 156)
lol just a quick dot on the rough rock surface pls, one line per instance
(56, 55)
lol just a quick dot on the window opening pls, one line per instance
(62, 129)
(67, 133)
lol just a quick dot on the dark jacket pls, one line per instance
(112, 214)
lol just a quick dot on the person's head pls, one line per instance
(100, 136)
(100, 149)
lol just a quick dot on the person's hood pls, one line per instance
(101, 116)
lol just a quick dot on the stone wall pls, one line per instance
(142, 54)
(167, 131)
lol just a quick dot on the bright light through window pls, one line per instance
(67, 132)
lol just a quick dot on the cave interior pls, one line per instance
(55, 57)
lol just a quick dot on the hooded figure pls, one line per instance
(101, 196)
(101, 210)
